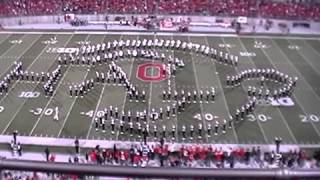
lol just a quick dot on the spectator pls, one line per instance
(248, 8)
(19, 149)
(47, 152)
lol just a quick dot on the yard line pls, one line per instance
(51, 98)
(175, 87)
(125, 97)
(15, 114)
(282, 117)
(285, 56)
(236, 68)
(306, 59)
(4, 53)
(150, 91)
(197, 85)
(16, 82)
(303, 79)
(73, 102)
(96, 109)
(311, 47)
(69, 111)
(223, 97)
(7, 37)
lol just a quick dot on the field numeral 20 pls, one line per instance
(309, 118)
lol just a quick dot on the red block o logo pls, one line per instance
(151, 72)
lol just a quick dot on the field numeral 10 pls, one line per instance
(305, 118)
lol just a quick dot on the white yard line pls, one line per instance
(7, 37)
(175, 88)
(198, 90)
(150, 93)
(280, 113)
(74, 101)
(311, 47)
(303, 79)
(4, 53)
(69, 111)
(56, 90)
(306, 59)
(69, 142)
(97, 107)
(223, 96)
(95, 111)
(22, 104)
(16, 82)
(258, 122)
(125, 95)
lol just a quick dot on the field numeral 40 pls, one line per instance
(205, 116)
(305, 118)
(91, 113)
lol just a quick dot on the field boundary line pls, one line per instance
(211, 34)
(85, 143)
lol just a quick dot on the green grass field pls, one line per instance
(298, 124)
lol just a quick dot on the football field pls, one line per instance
(26, 108)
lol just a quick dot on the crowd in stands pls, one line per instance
(264, 8)
(162, 154)
(186, 156)
(202, 156)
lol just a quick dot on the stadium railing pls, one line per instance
(121, 171)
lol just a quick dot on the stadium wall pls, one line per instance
(7, 21)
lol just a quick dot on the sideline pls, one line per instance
(193, 34)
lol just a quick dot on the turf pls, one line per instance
(293, 55)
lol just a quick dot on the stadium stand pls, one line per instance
(196, 156)
(268, 9)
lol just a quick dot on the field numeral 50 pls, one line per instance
(305, 118)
